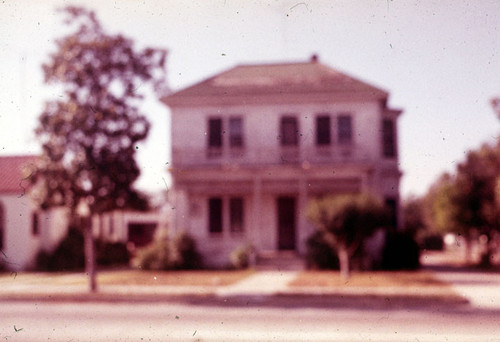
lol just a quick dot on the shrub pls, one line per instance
(68, 256)
(167, 253)
(432, 242)
(401, 252)
(319, 254)
(187, 256)
(240, 257)
(156, 256)
(111, 254)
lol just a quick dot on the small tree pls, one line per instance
(345, 221)
(89, 133)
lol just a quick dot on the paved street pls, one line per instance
(243, 319)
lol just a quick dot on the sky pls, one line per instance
(439, 60)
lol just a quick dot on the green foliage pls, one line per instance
(469, 200)
(68, 256)
(345, 221)
(89, 133)
(112, 254)
(413, 214)
(187, 256)
(449, 211)
(319, 254)
(432, 242)
(167, 253)
(240, 257)
(401, 252)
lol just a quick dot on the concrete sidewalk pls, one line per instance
(264, 283)
(480, 288)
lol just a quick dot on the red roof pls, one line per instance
(256, 83)
(15, 172)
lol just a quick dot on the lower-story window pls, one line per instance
(222, 210)
(215, 215)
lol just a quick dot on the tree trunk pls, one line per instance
(468, 249)
(343, 256)
(90, 263)
(488, 253)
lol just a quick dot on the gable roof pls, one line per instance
(14, 173)
(276, 83)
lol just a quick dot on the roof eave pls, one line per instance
(195, 101)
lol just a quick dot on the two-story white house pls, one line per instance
(252, 145)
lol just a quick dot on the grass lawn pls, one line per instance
(177, 278)
(130, 277)
(367, 279)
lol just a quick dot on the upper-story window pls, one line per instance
(235, 132)
(323, 136)
(388, 138)
(344, 129)
(289, 131)
(215, 133)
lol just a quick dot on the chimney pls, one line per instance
(314, 58)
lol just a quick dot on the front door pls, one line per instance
(286, 223)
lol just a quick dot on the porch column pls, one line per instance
(253, 233)
(302, 230)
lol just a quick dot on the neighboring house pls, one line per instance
(24, 231)
(134, 228)
(252, 145)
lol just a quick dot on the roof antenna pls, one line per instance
(314, 58)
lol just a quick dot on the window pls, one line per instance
(215, 215)
(215, 133)
(236, 214)
(289, 131)
(344, 123)
(388, 138)
(235, 132)
(35, 224)
(323, 130)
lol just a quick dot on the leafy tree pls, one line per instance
(468, 201)
(477, 180)
(413, 214)
(90, 131)
(345, 221)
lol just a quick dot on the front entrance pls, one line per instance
(286, 223)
